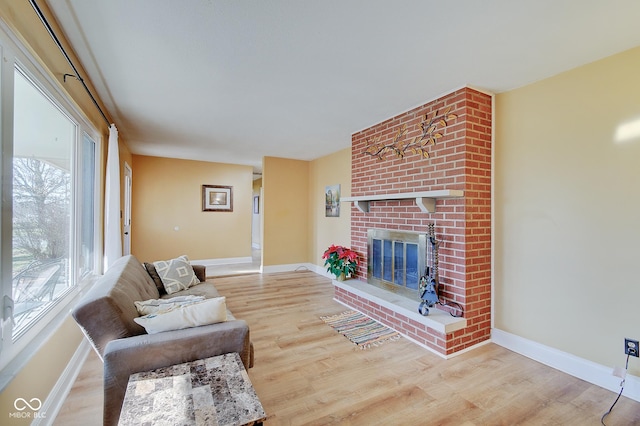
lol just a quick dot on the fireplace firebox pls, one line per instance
(396, 260)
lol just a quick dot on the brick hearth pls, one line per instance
(460, 160)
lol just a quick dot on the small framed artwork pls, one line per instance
(332, 201)
(217, 198)
(256, 204)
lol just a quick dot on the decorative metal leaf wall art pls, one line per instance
(432, 125)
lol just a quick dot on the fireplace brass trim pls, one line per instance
(412, 237)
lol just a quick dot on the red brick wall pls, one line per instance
(409, 327)
(461, 159)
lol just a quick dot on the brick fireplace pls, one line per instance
(460, 160)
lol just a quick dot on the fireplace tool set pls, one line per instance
(429, 281)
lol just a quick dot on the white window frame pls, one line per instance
(16, 352)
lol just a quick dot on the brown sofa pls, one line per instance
(105, 315)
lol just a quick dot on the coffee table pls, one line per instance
(211, 391)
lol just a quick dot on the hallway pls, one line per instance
(230, 269)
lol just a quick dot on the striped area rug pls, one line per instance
(360, 329)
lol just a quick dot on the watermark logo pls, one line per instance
(21, 404)
(27, 409)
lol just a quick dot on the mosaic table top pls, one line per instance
(212, 391)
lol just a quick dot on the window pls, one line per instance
(87, 206)
(49, 188)
(42, 217)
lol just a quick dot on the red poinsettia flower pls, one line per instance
(349, 254)
(340, 260)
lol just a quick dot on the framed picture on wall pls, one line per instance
(217, 198)
(256, 204)
(332, 201)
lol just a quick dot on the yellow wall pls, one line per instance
(42, 372)
(167, 193)
(39, 375)
(323, 231)
(285, 186)
(295, 227)
(566, 196)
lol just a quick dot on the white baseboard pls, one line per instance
(581, 368)
(320, 270)
(222, 261)
(51, 406)
(288, 268)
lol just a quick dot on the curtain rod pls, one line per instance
(64, 52)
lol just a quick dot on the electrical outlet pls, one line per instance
(631, 347)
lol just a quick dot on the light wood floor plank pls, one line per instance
(307, 374)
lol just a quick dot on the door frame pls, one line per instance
(126, 218)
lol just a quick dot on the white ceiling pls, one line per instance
(233, 81)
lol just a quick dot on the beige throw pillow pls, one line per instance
(176, 274)
(209, 311)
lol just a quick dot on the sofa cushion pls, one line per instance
(107, 311)
(206, 289)
(176, 274)
(200, 271)
(209, 311)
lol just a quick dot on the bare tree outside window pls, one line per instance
(41, 229)
(41, 205)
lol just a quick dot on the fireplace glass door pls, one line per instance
(396, 260)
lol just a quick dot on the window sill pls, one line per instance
(14, 358)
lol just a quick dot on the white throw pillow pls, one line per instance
(176, 274)
(154, 306)
(209, 311)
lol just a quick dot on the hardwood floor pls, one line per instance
(307, 374)
(83, 406)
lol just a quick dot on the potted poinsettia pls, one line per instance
(340, 261)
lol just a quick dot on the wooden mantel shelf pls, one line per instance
(425, 200)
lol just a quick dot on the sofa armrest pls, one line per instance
(123, 357)
(200, 271)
